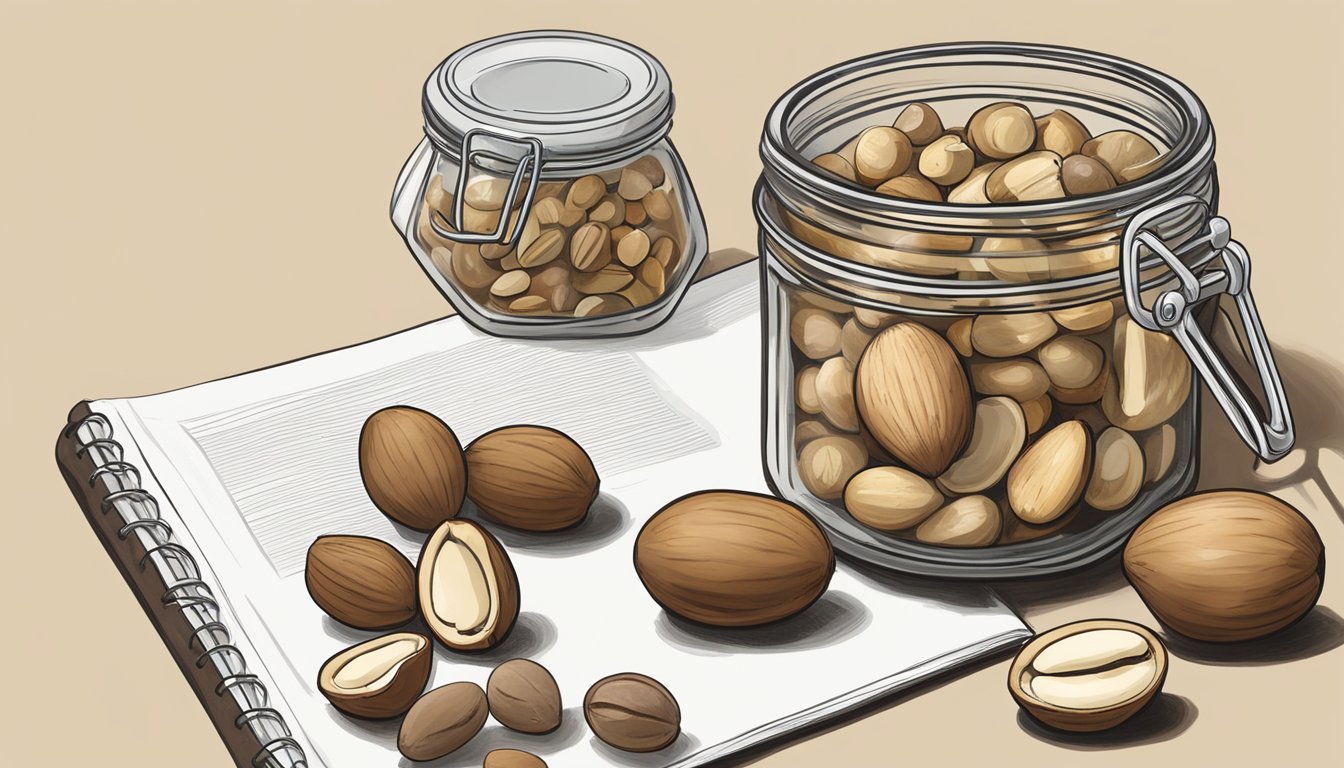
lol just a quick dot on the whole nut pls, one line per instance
(605, 304)
(553, 284)
(1090, 675)
(1117, 471)
(827, 463)
(919, 122)
(1061, 133)
(805, 431)
(659, 206)
(1151, 381)
(635, 215)
(1159, 449)
(664, 250)
(548, 245)
(891, 498)
(911, 186)
(972, 189)
(999, 434)
(1037, 412)
(1226, 566)
(1021, 380)
(959, 335)
(515, 282)
(635, 180)
(512, 758)
(805, 390)
(465, 264)
(486, 193)
(854, 338)
(1033, 176)
(1089, 318)
(836, 165)
(1071, 362)
(442, 721)
(1088, 393)
(531, 478)
(881, 152)
(1010, 335)
(524, 697)
(872, 318)
(467, 587)
(970, 521)
(733, 559)
(947, 160)
(912, 394)
(608, 279)
(633, 248)
(361, 582)
(590, 248)
(378, 678)
(1049, 477)
(835, 392)
(1127, 155)
(632, 712)
(611, 211)
(1083, 175)
(1002, 130)
(586, 192)
(816, 333)
(412, 467)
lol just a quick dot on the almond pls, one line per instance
(1049, 477)
(971, 521)
(442, 721)
(912, 395)
(891, 498)
(411, 464)
(360, 581)
(378, 678)
(533, 478)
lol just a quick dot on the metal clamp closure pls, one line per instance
(1171, 312)
(528, 165)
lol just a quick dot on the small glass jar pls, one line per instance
(574, 216)
(988, 390)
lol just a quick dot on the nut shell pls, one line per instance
(733, 559)
(361, 582)
(467, 588)
(442, 721)
(411, 465)
(356, 681)
(524, 697)
(1226, 566)
(632, 712)
(512, 758)
(532, 478)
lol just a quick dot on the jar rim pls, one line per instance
(1192, 152)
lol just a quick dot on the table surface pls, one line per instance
(191, 191)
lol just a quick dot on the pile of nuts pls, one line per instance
(986, 430)
(465, 590)
(596, 245)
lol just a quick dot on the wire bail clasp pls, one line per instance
(529, 165)
(1171, 313)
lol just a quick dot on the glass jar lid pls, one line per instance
(587, 100)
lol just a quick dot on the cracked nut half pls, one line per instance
(467, 586)
(379, 678)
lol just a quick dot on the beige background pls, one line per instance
(192, 191)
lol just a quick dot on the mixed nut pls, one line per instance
(596, 245)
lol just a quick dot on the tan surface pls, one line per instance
(193, 192)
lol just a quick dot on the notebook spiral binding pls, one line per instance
(139, 513)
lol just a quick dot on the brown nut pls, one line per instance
(1071, 362)
(640, 178)
(1127, 155)
(1159, 450)
(465, 265)
(891, 498)
(524, 697)
(633, 248)
(972, 189)
(542, 250)
(1033, 176)
(1089, 318)
(1002, 130)
(605, 304)
(1090, 675)
(585, 192)
(827, 463)
(532, 478)
(910, 186)
(611, 211)
(970, 521)
(412, 467)
(512, 758)
(442, 721)
(609, 279)
(881, 152)
(1049, 477)
(947, 160)
(1036, 412)
(632, 712)
(733, 559)
(467, 587)
(920, 123)
(360, 581)
(805, 390)
(1061, 133)
(513, 283)
(912, 395)
(378, 678)
(1083, 175)
(836, 165)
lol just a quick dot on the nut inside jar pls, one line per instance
(599, 244)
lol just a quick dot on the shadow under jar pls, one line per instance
(547, 200)
(1004, 387)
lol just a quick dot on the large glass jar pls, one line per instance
(994, 390)
(574, 216)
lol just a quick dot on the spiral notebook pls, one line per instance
(208, 497)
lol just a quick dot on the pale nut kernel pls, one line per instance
(1117, 471)
(947, 160)
(1016, 259)
(1033, 176)
(611, 211)
(837, 165)
(891, 498)
(881, 152)
(1002, 130)
(586, 192)
(835, 392)
(911, 186)
(873, 318)
(1049, 477)
(1159, 449)
(854, 338)
(1088, 393)
(809, 429)
(1061, 133)
(512, 283)
(486, 194)
(805, 390)
(1127, 155)
(652, 274)
(826, 464)
(1151, 381)
(1071, 362)
(999, 433)
(1021, 380)
(959, 334)
(1009, 335)
(971, 191)
(605, 304)
(816, 333)
(543, 249)
(633, 248)
(1089, 318)
(590, 247)
(971, 521)
(919, 122)
(1037, 412)
(608, 279)
(659, 206)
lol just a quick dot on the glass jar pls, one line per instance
(990, 390)
(567, 134)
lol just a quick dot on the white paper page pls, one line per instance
(258, 465)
